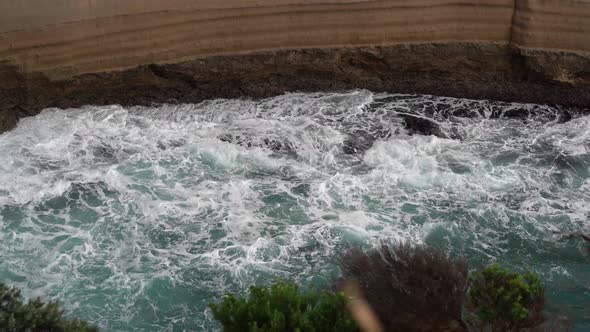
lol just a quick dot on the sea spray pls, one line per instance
(136, 218)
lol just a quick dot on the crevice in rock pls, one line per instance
(162, 72)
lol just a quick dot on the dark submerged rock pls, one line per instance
(564, 116)
(168, 144)
(465, 112)
(358, 142)
(515, 113)
(422, 126)
(104, 152)
(272, 143)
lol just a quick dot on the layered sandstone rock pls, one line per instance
(554, 35)
(70, 52)
(96, 36)
(552, 25)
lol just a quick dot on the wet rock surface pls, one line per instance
(467, 70)
(273, 143)
(358, 142)
(423, 126)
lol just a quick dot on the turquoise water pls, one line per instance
(137, 218)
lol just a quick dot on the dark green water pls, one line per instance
(137, 218)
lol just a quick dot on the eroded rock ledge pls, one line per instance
(140, 52)
(470, 70)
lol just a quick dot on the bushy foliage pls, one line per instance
(34, 315)
(283, 307)
(506, 301)
(410, 288)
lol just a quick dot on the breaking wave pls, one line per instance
(136, 218)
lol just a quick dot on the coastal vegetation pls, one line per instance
(411, 288)
(505, 301)
(284, 307)
(403, 287)
(408, 288)
(34, 315)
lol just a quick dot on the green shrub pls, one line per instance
(34, 315)
(505, 301)
(283, 307)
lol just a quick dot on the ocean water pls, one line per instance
(137, 218)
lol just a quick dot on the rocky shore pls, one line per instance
(71, 54)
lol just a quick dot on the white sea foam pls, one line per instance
(138, 217)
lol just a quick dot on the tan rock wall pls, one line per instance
(552, 25)
(65, 38)
(27, 14)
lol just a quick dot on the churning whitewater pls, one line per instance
(137, 218)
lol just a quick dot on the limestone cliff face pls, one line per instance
(70, 52)
(555, 37)
(552, 25)
(93, 36)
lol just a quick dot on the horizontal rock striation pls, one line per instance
(552, 25)
(554, 36)
(69, 53)
(159, 34)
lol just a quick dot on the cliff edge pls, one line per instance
(70, 53)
